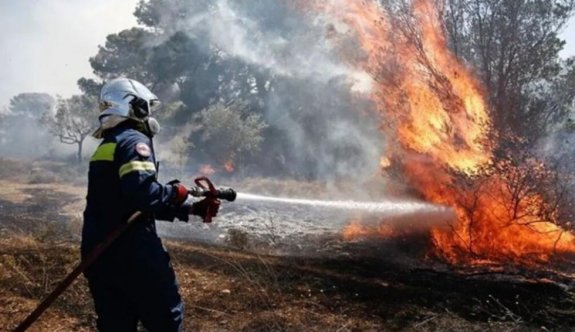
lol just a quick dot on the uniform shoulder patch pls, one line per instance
(143, 149)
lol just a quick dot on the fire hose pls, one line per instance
(204, 188)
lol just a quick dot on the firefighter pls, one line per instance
(133, 281)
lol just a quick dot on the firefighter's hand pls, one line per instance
(179, 193)
(206, 207)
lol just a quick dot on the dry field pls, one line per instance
(245, 286)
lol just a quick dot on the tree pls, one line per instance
(90, 87)
(125, 54)
(181, 67)
(550, 102)
(230, 133)
(169, 58)
(31, 104)
(73, 121)
(513, 44)
(21, 135)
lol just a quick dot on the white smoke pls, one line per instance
(318, 94)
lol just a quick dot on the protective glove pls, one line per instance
(179, 193)
(207, 208)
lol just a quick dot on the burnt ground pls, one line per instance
(326, 285)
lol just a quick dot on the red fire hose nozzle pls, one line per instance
(205, 188)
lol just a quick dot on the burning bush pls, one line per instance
(510, 211)
(443, 142)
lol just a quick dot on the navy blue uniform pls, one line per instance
(133, 279)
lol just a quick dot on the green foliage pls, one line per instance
(124, 54)
(174, 59)
(90, 87)
(160, 14)
(31, 104)
(230, 132)
(188, 74)
(168, 59)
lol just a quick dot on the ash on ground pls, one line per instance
(294, 229)
(262, 221)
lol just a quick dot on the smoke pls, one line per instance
(316, 101)
(22, 134)
(557, 150)
(25, 133)
(271, 35)
(24, 137)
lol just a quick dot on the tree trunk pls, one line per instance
(79, 155)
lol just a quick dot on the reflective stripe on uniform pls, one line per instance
(104, 152)
(133, 166)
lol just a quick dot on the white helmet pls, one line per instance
(122, 99)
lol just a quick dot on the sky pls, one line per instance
(569, 36)
(45, 44)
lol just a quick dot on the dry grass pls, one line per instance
(235, 290)
(30, 270)
(226, 290)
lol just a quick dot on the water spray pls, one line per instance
(405, 215)
(387, 207)
(384, 207)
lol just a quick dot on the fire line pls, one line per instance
(435, 115)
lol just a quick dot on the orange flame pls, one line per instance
(229, 166)
(356, 229)
(438, 122)
(207, 170)
(384, 162)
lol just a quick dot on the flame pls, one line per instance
(356, 229)
(504, 224)
(435, 115)
(384, 162)
(229, 166)
(207, 170)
